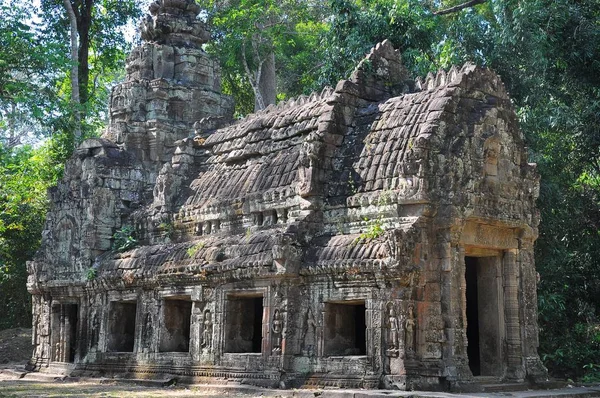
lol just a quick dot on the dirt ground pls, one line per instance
(15, 345)
(30, 389)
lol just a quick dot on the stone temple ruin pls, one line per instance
(379, 234)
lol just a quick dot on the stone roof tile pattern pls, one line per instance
(346, 251)
(212, 253)
(273, 139)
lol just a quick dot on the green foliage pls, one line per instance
(27, 65)
(191, 252)
(356, 25)
(25, 174)
(102, 53)
(374, 230)
(124, 239)
(246, 31)
(91, 273)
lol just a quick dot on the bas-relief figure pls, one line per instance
(277, 331)
(309, 334)
(410, 326)
(147, 332)
(382, 188)
(393, 348)
(207, 332)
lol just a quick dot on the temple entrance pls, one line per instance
(65, 318)
(485, 315)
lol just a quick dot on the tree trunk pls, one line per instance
(267, 84)
(75, 99)
(84, 21)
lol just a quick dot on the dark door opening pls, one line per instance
(73, 318)
(244, 323)
(345, 328)
(65, 318)
(360, 328)
(472, 315)
(175, 336)
(257, 325)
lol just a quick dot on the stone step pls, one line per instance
(155, 383)
(506, 387)
(12, 373)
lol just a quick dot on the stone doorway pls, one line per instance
(65, 319)
(484, 311)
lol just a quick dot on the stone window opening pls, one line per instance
(345, 328)
(65, 319)
(282, 215)
(258, 219)
(121, 326)
(270, 217)
(175, 331)
(244, 324)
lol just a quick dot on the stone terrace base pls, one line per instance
(11, 376)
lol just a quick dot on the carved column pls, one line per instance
(511, 307)
(196, 325)
(66, 324)
(528, 299)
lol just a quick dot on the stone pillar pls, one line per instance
(528, 298)
(514, 351)
(40, 332)
(66, 325)
(454, 308)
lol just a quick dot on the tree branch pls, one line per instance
(459, 7)
(253, 82)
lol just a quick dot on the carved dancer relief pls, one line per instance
(393, 349)
(277, 331)
(309, 335)
(147, 332)
(95, 331)
(307, 172)
(207, 332)
(410, 325)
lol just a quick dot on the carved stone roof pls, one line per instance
(174, 22)
(374, 156)
(298, 186)
(346, 252)
(209, 255)
(259, 153)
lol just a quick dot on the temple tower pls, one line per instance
(170, 84)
